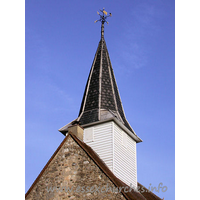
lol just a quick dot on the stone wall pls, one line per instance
(72, 174)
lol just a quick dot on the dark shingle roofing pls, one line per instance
(101, 92)
(101, 100)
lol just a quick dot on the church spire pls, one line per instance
(101, 100)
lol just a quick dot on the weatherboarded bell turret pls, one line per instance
(102, 116)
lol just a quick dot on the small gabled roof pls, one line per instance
(127, 193)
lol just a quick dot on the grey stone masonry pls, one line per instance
(72, 174)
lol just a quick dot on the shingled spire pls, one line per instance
(101, 100)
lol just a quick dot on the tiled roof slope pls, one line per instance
(127, 193)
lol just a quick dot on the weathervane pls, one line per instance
(103, 17)
(103, 20)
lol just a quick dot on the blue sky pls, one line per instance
(61, 41)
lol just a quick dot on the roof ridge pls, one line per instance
(116, 181)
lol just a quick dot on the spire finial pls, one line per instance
(102, 19)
